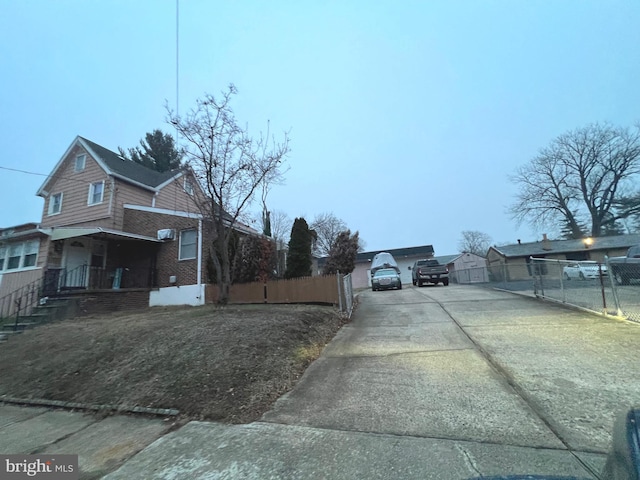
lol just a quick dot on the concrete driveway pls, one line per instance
(429, 383)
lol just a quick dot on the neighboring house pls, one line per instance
(404, 257)
(515, 260)
(466, 267)
(22, 258)
(110, 224)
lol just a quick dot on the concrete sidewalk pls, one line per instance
(408, 391)
(101, 444)
(273, 451)
(430, 383)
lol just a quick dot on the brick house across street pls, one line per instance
(111, 225)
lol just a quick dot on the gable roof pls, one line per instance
(447, 259)
(129, 169)
(117, 166)
(545, 247)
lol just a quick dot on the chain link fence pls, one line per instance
(578, 283)
(582, 284)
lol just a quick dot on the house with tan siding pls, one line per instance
(513, 262)
(466, 267)
(110, 224)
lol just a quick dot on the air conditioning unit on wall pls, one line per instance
(166, 234)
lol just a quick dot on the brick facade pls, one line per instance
(167, 264)
(107, 301)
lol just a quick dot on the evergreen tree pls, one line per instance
(299, 257)
(342, 256)
(158, 152)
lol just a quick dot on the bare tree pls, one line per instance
(327, 227)
(272, 178)
(474, 242)
(582, 181)
(281, 225)
(280, 231)
(230, 165)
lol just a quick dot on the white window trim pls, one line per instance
(51, 203)
(84, 162)
(195, 244)
(20, 267)
(91, 193)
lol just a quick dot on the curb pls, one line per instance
(165, 412)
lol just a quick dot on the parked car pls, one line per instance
(583, 270)
(627, 268)
(386, 278)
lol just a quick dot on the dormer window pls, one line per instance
(80, 162)
(96, 193)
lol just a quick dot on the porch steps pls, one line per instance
(51, 309)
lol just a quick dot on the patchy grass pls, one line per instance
(226, 364)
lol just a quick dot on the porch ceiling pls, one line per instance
(71, 232)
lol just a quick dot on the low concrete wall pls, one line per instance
(183, 295)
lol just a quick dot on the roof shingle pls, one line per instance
(129, 169)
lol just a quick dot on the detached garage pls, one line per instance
(405, 257)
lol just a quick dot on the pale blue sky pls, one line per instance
(405, 118)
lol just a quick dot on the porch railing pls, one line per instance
(86, 277)
(56, 281)
(20, 302)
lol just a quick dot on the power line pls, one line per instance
(23, 171)
(43, 175)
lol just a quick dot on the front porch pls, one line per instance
(61, 281)
(92, 259)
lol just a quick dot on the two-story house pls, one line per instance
(109, 224)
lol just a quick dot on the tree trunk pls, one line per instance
(223, 267)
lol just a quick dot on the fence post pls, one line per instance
(339, 290)
(564, 294)
(604, 298)
(614, 288)
(18, 302)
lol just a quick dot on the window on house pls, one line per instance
(55, 204)
(96, 191)
(188, 187)
(187, 245)
(30, 253)
(19, 255)
(13, 260)
(80, 161)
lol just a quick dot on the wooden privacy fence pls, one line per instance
(323, 289)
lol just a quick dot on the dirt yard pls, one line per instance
(225, 364)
